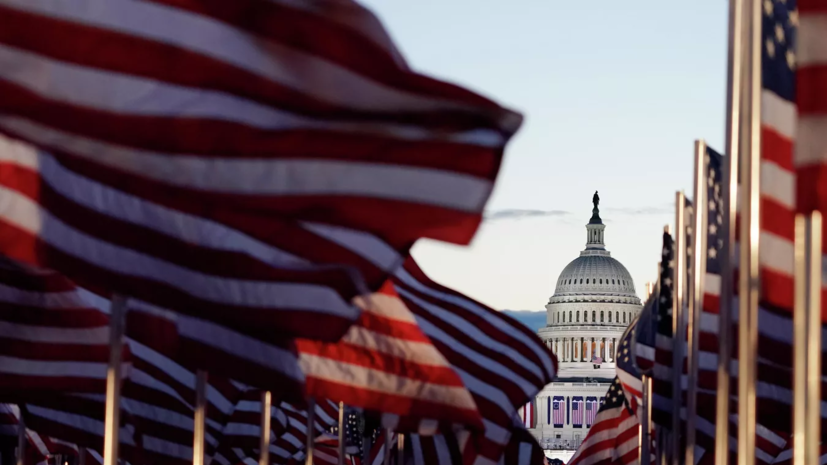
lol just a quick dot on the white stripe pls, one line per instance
(238, 345)
(280, 63)
(384, 382)
(776, 253)
(811, 145)
(55, 335)
(778, 184)
(810, 43)
(463, 302)
(778, 114)
(368, 246)
(28, 216)
(270, 177)
(475, 333)
(30, 367)
(65, 301)
(386, 306)
(413, 351)
(712, 284)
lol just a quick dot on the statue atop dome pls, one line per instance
(595, 219)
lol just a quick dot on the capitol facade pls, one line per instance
(594, 301)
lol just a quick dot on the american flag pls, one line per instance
(662, 369)
(527, 413)
(591, 410)
(577, 411)
(810, 153)
(210, 192)
(558, 417)
(614, 436)
(627, 372)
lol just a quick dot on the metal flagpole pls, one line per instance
(733, 131)
(807, 327)
(341, 433)
(813, 433)
(678, 323)
(117, 311)
(748, 283)
(200, 417)
(387, 457)
(264, 440)
(311, 429)
(21, 439)
(400, 448)
(696, 296)
(646, 421)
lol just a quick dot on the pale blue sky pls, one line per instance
(613, 95)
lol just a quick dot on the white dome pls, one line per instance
(595, 273)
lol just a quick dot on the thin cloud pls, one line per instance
(650, 210)
(518, 213)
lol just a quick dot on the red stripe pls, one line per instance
(811, 95)
(776, 148)
(812, 6)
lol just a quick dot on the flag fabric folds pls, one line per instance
(613, 439)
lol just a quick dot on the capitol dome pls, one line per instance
(594, 301)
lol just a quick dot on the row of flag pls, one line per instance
(725, 361)
(206, 213)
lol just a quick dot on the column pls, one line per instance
(590, 349)
(610, 349)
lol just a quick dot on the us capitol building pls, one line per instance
(593, 302)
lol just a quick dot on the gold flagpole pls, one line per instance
(264, 440)
(200, 417)
(111, 428)
(678, 323)
(749, 285)
(813, 451)
(341, 433)
(807, 327)
(733, 145)
(645, 444)
(696, 295)
(311, 429)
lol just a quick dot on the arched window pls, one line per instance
(601, 316)
(624, 317)
(601, 280)
(613, 281)
(610, 317)
(581, 280)
(570, 320)
(594, 316)
(578, 317)
(617, 317)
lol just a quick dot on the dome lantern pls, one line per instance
(594, 230)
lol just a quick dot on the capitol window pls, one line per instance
(610, 317)
(601, 316)
(569, 316)
(578, 317)
(624, 317)
(594, 315)
(617, 317)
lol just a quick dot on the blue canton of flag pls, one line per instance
(778, 63)
(715, 211)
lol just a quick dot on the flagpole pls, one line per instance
(733, 132)
(111, 428)
(387, 456)
(678, 323)
(646, 421)
(813, 451)
(311, 429)
(698, 266)
(21, 438)
(807, 327)
(341, 433)
(748, 285)
(400, 448)
(200, 417)
(264, 439)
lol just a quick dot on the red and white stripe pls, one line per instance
(324, 107)
(501, 362)
(156, 408)
(52, 335)
(612, 439)
(385, 363)
(810, 152)
(527, 415)
(292, 443)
